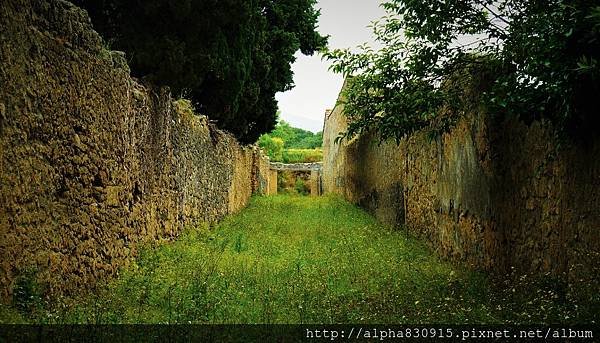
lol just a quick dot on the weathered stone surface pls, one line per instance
(266, 182)
(272, 185)
(315, 186)
(316, 166)
(492, 194)
(308, 173)
(93, 163)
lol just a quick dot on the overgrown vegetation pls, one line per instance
(296, 138)
(229, 57)
(289, 144)
(293, 182)
(317, 260)
(534, 59)
(302, 155)
(301, 187)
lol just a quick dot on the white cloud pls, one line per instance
(317, 88)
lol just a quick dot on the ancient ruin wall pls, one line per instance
(495, 195)
(266, 180)
(93, 163)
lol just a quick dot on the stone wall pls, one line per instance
(494, 195)
(266, 180)
(93, 163)
(288, 174)
(272, 186)
(297, 166)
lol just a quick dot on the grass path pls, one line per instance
(307, 260)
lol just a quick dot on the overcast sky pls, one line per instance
(317, 88)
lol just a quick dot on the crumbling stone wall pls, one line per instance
(272, 185)
(315, 183)
(93, 163)
(493, 194)
(266, 182)
(297, 177)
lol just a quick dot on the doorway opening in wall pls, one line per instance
(294, 182)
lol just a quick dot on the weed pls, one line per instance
(301, 187)
(27, 292)
(290, 259)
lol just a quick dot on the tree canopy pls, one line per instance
(272, 146)
(291, 144)
(296, 138)
(229, 57)
(539, 59)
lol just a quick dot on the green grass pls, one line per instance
(302, 155)
(289, 259)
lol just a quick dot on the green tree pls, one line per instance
(284, 131)
(272, 146)
(229, 56)
(297, 138)
(535, 59)
(310, 141)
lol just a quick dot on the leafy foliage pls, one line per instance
(296, 138)
(272, 146)
(298, 145)
(300, 187)
(229, 56)
(529, 58)
(28, 293)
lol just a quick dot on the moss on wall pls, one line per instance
(495, 194)
(93, 163)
